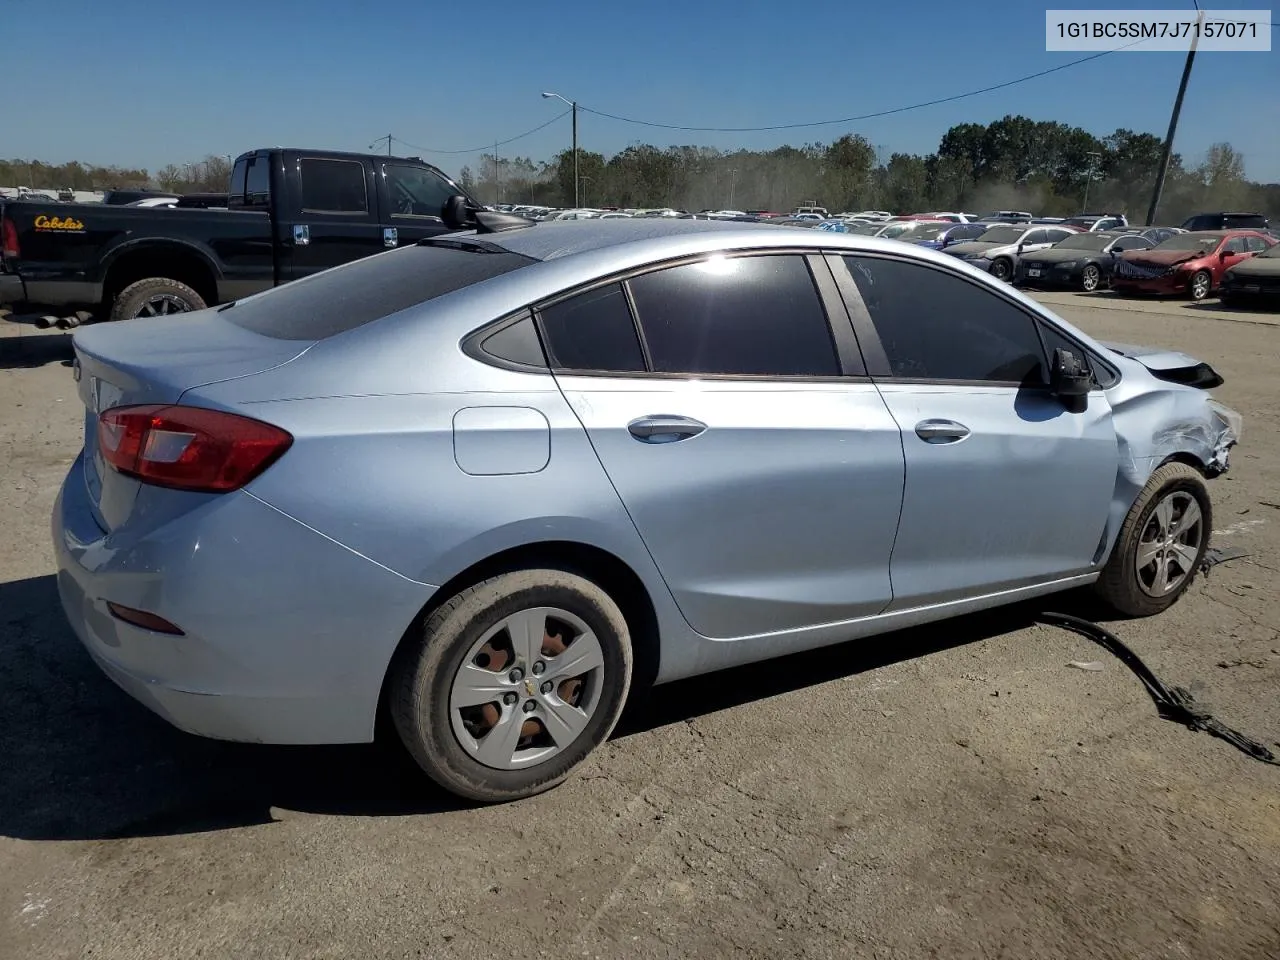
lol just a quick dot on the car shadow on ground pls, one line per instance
(83, 761)
(34, 349)
(1245, 308)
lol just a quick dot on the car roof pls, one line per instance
(554, 239)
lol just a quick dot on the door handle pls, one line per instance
(665, 429)
(941, 431)
(301, 234)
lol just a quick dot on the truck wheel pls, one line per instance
(1161, 543)
(512, 683)
(155, 297)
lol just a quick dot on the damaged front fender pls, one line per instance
(1155, 426)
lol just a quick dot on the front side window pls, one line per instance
(333, 186)
(1236, 245)
(416, 191)
(937, 326)
(593, 331)
(735, 316)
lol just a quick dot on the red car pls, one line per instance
(1189, 263)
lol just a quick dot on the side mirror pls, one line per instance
(1070, 380)
(458, 213)
(1225, 253)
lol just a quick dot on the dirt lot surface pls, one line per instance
(953, 792)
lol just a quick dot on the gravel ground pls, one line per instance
(956, 791)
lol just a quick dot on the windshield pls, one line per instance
(1085, 241)
(1206, 242)
(1002, 235)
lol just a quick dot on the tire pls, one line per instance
(1002, 269)
(423, 675)
(1120, 584)
(1200, 285)
(1090, 278)
(167, 296)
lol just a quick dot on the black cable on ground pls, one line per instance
(1172, 703)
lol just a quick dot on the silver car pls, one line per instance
(997, 251)
(489, 482)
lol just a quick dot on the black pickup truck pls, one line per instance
(289, 213)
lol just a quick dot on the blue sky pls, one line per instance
(149, 83)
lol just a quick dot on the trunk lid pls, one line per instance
(157, 360)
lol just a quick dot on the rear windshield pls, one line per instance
(378, 286)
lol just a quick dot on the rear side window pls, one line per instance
(352, 295)
(743, 316)
(333, 186)
(257, 190)
(593, 331)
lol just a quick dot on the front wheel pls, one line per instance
(1161, 543)
(512, 683)
(1199, 285)
(1090, 278)
(1002, 270)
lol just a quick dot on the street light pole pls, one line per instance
(573, 105)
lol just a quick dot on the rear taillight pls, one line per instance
(190, 448)
(9, 239)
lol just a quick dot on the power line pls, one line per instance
(487, 146)
(865, 116)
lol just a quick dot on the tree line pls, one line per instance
(1046, 167)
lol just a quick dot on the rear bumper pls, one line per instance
(287, 634)
(12, 289)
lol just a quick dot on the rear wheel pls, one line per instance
(155, 297)
(1199, 285)
(1161, 543)
(513, 683)
(1090, 278)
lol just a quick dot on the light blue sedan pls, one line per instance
(490, 482)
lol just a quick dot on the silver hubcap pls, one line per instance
(1200, 287)
(161, 305)
(1169, 544)
(1090, 278)
(527, 688)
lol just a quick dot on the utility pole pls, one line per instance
(497, 176)
(1167, 153)
(387, 138)
(733, 182)
(1094, 157)
(573, 106)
